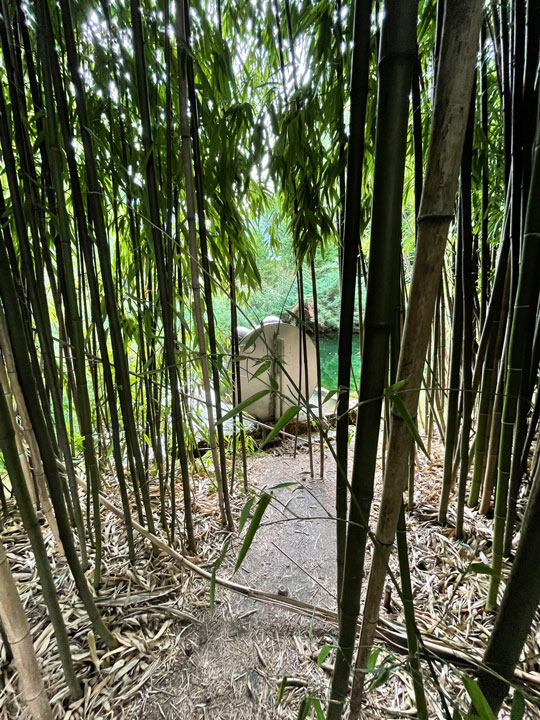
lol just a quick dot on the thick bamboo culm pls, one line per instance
(17, 631)
(10, 386)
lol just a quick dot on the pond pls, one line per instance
(329, 360)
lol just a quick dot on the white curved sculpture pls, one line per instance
(273, 351)
(242, 331)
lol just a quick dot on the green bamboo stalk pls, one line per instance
(182, 8)
(495, 431)
(487, 399)
(95, 210)
(35, 287)
(467, 301)
(12, 385)
(5, 388)
(485, 261)
(205, 265)
(152, 190)
(318, 360)
(50, 65)
(452, 414)
(73, 314)
(410, 622)
(523, 437)
(452, 99)
(518, 608)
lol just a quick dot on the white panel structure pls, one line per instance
(261, 352)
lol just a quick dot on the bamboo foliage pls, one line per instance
(156, 157)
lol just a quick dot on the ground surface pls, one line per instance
(176, 661)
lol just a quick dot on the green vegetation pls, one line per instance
(173, 170)
(278, 291)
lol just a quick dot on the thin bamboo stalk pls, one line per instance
(350, 241)
(28, 386)
(157, 238)
(28, 431)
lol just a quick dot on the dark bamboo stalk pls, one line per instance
(518, 607)
(20, 353)
(467, 301)
(351, 241)
(95, 210)
(395, 69)
(452, 414)
(519, 349)
(156, 232)
(205, 265)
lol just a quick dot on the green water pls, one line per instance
(329, 360)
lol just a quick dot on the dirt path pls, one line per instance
(231, 666)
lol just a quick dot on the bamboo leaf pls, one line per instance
(478, 699)
(253, 527)
(481, 569)
(517, 711)
(379, 679)
(395, 388)
(262, 369)
(281, 690)
(245, 513)
(372, 662)
(307, 704)
(316, 705)
(397, 402)
(324, 653)
(328, 396)
(244, 404)
(252, 339)
(283, 420)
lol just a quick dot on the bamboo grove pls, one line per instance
(143, 146)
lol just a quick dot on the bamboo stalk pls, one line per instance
(519, 348)
(350, 245)
(17, 631)
(28, 386)
(395, 70)
(453, 94)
